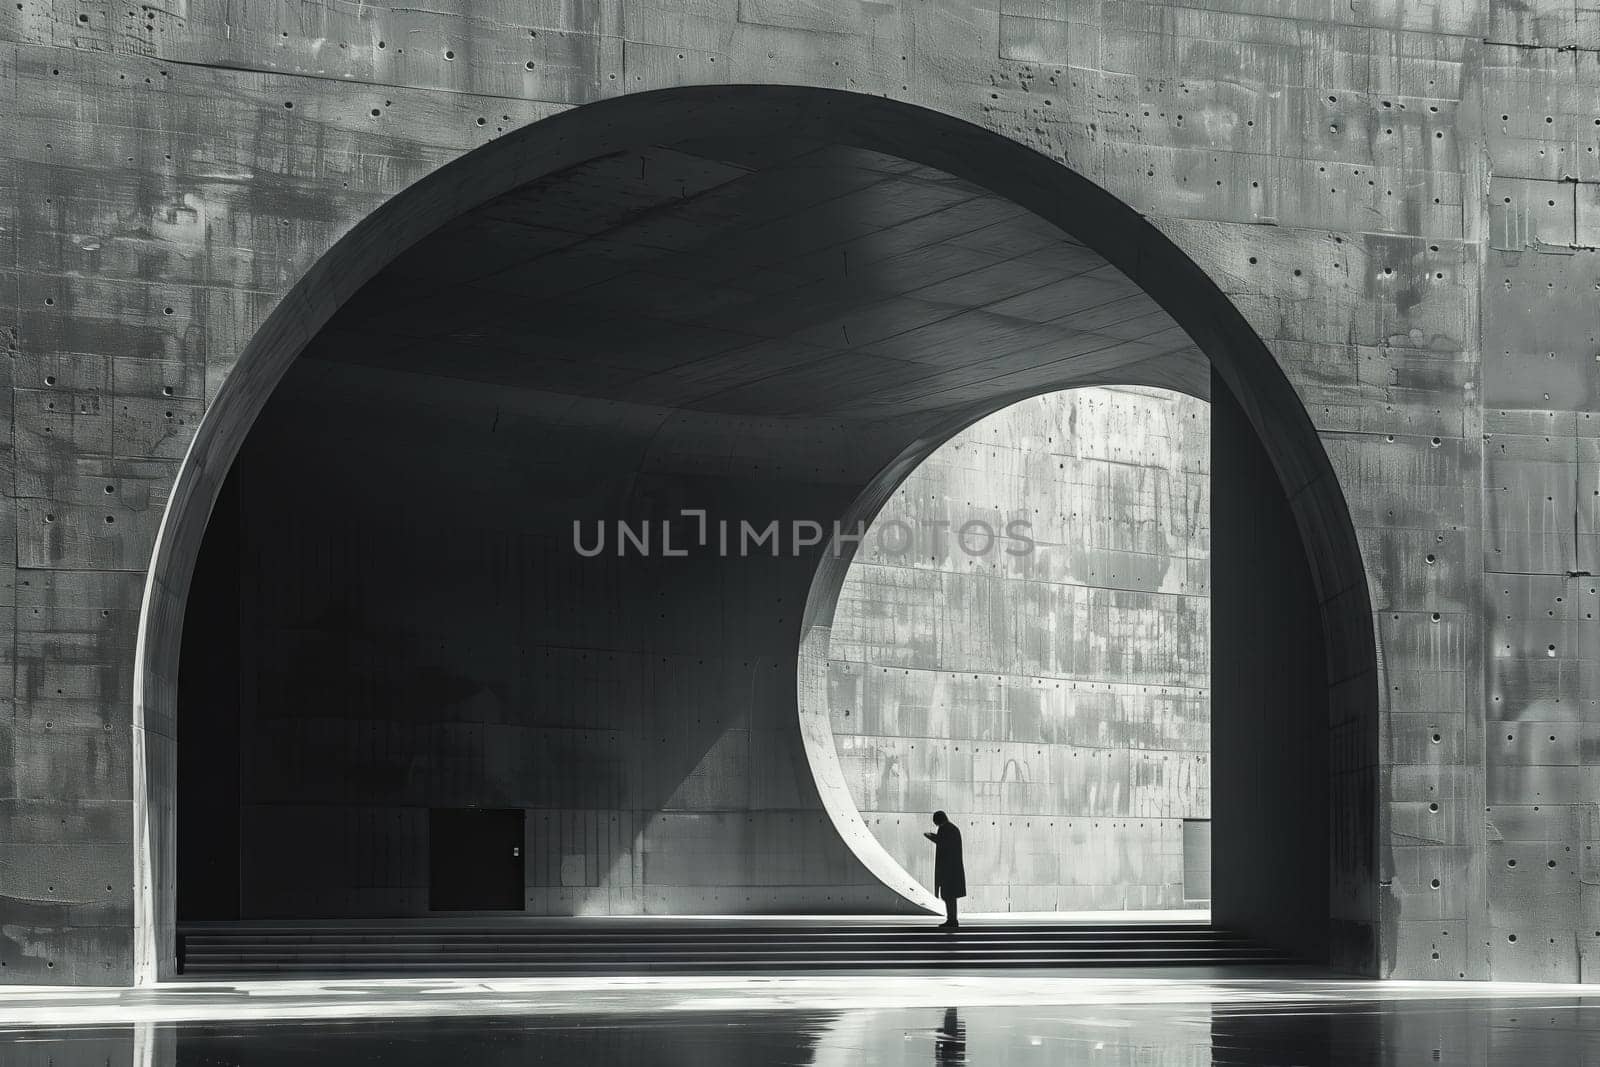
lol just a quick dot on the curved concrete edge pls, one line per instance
(816, 732)
(1186, 372)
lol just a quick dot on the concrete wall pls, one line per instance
(1055, 702)
(1530, 630)
(1394, 196)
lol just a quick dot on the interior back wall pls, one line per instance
(415, 629)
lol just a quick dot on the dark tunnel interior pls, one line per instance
(388, 618)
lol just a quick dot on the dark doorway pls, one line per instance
(475, 859)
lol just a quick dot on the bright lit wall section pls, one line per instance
(1023, 640)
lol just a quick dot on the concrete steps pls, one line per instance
(665, 946)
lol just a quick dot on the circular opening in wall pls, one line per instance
(1101, 434)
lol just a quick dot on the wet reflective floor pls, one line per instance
(835, 1020)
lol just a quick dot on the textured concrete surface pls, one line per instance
(1055, 700)
(1394, 197)
(1538, 602)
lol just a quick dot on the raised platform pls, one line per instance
(685, 945)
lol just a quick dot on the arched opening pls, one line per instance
(763, 305)
(1287, 814)
(1023, 637)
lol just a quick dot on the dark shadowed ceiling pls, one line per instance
(767, 278)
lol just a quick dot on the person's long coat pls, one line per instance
(949, 873)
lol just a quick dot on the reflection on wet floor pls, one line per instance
(1531, 1030)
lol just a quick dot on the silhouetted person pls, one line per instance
(949, 874)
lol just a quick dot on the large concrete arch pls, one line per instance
(556, 145)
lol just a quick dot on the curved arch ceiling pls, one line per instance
(763, 278)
